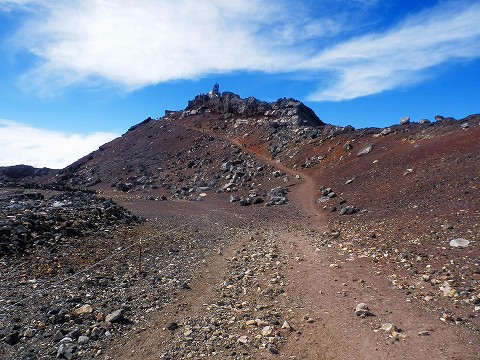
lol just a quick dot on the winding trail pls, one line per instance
(321, 286)
(304, 194)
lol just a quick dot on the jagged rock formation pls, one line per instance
(284, 110)
(22, 174)
(22, 171)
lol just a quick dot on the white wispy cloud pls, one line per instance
(133, 44)
(401, 56)
(23, 144)
(143, 42)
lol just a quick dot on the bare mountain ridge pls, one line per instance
(222, 143)
(367, 215)
(192, 144)
(151, 143)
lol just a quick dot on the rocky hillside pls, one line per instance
(265, 228)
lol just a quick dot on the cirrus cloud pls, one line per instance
(134, 44)
(401, 56)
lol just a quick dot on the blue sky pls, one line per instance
(77, 73)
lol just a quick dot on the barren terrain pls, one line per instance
(243, 230)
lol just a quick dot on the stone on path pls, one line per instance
(363, 310)
(459, 243)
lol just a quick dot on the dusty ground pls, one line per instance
(320, 285)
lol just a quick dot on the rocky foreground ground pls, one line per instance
(218, 283)
(100, 272)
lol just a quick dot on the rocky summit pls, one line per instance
(241, 229)
(228, 104)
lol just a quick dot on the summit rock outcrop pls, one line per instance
(285, 110)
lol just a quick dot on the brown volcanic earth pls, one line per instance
(265, 228)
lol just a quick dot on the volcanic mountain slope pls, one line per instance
(369, 215)
(191, 147)
(412, 185)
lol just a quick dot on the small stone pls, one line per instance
(308, 319)
(12, 338)
(59, 335)
(261, 323)
(286, 326)
(29, 333)
(459, 243)
(385, 131)
(251, 323)
(100, 317)
(423, 333)
(75, 334)
(243, 340)
(447, 290)
(326, 191)
(272, 349)
(323, 199)
(83, 339)
(84, 309)
(234, 198)
(65, 351)
(348, 210)
(363, 310)
(246, 201)
(116, 316)
(95, 333)
(367, 149)
(389, 327)
(398, 336)
(267, 331)
(446, 317)
(185, 286)
(66, 339)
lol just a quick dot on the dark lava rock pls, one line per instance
(29, 220)
(245, 201)
(172, 326)
(12, 338)
(348, 210)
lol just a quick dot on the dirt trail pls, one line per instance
(316, 299)
(315, 291)
(304, 193)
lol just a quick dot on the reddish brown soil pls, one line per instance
(326, 283)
